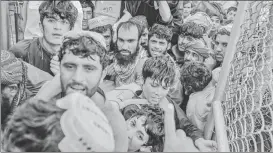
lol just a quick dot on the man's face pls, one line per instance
(184, 41)
(127, 44)
(157, 47)
(87, 15)
(193, 56)
(231, 15)
(144, 37)
(220, 45)
(80, 74)
(215, 22)
(187, 10)
(9, 92)
(108, 38)
(137, 134)
(54, 28)
(153, 91)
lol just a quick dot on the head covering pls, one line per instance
(99, 22)
(11, 69)
(199, 47)
(200, 18)
(140, 20)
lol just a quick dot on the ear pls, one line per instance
(41, 27)
(103, 75)
(169, 46)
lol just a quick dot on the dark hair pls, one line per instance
(160, 68)
(102, 29)
(232, 8)
(195, 75)
(192, 29)
(87, 3)
(154, 124)
(34, 127)
(220, 31)
(186, 2)
(84, 47)
(64, 9)
(127, 25)
(161, 32)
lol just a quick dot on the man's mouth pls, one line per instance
(127, 53)
(72, 89)
(57, 35)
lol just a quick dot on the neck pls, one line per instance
(211, 84)
(51, 48)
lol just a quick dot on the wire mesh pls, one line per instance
(248, 104)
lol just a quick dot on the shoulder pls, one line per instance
(20, 49)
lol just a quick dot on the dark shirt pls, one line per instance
(181, 120)
(33, 52)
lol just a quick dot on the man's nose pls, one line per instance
(78, 76)
(57, 25)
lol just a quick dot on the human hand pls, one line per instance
(55, 65)
(206, 145)
(50, 89)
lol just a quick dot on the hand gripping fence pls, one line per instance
(243, 103)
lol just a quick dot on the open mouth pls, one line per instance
(72, 89)
(125, 53)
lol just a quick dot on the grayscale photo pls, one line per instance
(136, 76)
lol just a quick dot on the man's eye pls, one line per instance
(107, 37)
(140, 137)
(130, 41)
(225, 44)
(154, 85)
(51, 20)
(216, 43)
(69, 66)
(65, 22)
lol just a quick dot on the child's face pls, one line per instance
(215, 22)
(153, 91)
(137, 134)
(231, 15)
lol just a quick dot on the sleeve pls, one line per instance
(36, 78)
(119, 127)
(182, 122)
(20, 50)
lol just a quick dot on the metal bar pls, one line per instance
(4, 26)
(216, 118)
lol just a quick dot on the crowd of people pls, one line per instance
(128, 76)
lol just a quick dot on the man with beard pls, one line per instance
(127, 66)
(19, 81)
(83, 59)
(219, 43)
(56, 18)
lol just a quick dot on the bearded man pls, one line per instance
(19, 81)
(127, 67)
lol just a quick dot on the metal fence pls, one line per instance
(246, 94)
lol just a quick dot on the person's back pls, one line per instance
(197, 80)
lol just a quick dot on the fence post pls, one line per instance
(216, 118)
(4, 25)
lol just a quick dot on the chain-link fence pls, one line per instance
(248, 104)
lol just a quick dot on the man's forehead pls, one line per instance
(69, 56)
(222, 38)
(87, 9)
(132, 30)
(156, 37)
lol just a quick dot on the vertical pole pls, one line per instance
(4, 25)
(216, 118)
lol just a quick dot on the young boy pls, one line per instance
(196, 79)
(159, 75)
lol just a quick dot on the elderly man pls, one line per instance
(19, 81)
